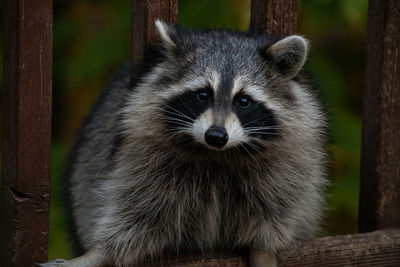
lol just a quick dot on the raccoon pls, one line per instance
(218, 146)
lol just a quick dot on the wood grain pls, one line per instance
(380, 248)
(24, 214)
(208, 260)
(143, 32)
(277, 17)
(380, 155)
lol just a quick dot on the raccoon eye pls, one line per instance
(244, 101)
(202, 96)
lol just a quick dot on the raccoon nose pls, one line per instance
(216, 136)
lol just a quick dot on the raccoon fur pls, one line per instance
(218, 145)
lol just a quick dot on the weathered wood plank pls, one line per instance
(380, 248)
(143, 32)
(380, 155)
(278, 17)
(208, 260)
(24, 210)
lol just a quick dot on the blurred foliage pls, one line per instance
(91, 41)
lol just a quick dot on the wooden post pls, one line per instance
(278, 17)
(24, 210)
(143, 32)
(380, 156)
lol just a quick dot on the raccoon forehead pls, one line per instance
(212, 79)
(192, 82)
(242, 83)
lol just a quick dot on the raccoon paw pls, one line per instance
(54, 263)
(93, 258)
(261, 258)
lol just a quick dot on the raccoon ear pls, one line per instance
(288, 55)
(166, 32)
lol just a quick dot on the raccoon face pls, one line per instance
(219, 121)
(221, 95)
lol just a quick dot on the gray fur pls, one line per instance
(142, 196)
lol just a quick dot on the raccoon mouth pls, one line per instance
(188, 143)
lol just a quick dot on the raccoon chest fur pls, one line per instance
(199, 205)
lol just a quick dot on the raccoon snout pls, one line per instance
(216, 136)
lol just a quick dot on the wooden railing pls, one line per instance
(25, 196)
(27, 134)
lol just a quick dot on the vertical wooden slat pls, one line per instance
(143, 32)
(278, 17)
(380, 156)
(24, 213)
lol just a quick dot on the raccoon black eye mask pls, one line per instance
(205, 153)
(255, 119)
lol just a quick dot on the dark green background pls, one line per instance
(91, 41)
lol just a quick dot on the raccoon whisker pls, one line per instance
(168, 139)
(262, 128)
(173, 133)
(256, 148)
(257, 120)
(186, 142)
(253, 145)
(236, 131)
(177, 128)
(178, 115)
(177, 121)
(263, 125)
(176, 131)
(267, 130)
(177, 112)
(262, 133)
(189, 108)
(248, 152)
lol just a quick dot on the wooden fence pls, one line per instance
(27, 134)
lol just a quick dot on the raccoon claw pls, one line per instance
(54, 263)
